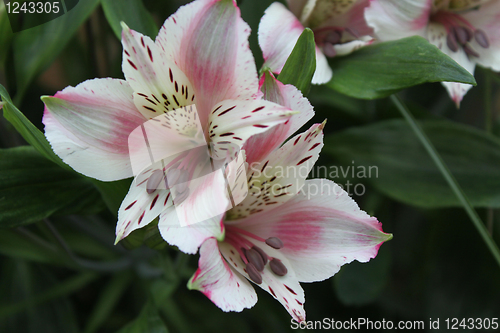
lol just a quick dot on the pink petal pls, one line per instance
(139, 208)
(261, 145)
(322, 228)
(395, 19)
(279, 31)
(437, 36)
(286, 289)
(349, 47)
(88, 127)
(277, 179)
(208, 40)
(159, 85)
(232, 122)
(221, 284)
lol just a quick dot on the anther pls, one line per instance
(277, 267)
(461, 34)
(481, 38)
(255, 258)
(153, 181)
(261, 252)
(329, 50)
(253, 274)
(180, 197)
(173, 175)
(274, 242)
(333, 37)
(451, 42)
(470, 51)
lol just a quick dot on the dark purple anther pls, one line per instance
(274, 242)
(253, 273)
(333, 37)
(481, 38)
(254, 258)
(451, 41)
(261, 252)
(277, 267)
(470, 51)
(154, 180)
(460, 34)
(180, 197)
(329, 50)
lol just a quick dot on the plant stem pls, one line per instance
(450, 179)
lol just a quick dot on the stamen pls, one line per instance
(329, 50)
(244, 232)
(461, 34)
(253, 274)
(255, 258)
(481, 38)
(180, 197)
(333, 37)
(262, 253)
(274, 242)
(470, 51)
(451, 42)
(277, 267)
(154, 180)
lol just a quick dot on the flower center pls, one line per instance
(327, 37)
(253, 256)
(460, 32)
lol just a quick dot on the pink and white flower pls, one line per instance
(338, 25)
(467, 31)
(288, 229)
(201, 56)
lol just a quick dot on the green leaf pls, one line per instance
(301, 64)
(29, 132)
(113, 193)
(37, 47)
(148, 321)
(133, 13)
(380, 70)
(396, 163)
(5, 35)
(33, 188)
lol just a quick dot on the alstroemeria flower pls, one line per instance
(467, 31)
(287, 230)
(201, 56)
(338, 25)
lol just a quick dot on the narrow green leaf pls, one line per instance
(449, 177)
(148, 321)
(37, 47)
(60, 289)
(33, 188)
(133, 13)
(301, 64)
(396, 164)
(380, 70)
(5, 35)
(108, 299)
(29, 132)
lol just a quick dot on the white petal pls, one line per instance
(88, 127)
(279, 178)
(159, 85)
(286, 289)
(227, 288)
(322, 228)
(395, 19)
(279, 31)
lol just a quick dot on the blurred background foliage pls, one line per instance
(60, 271)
